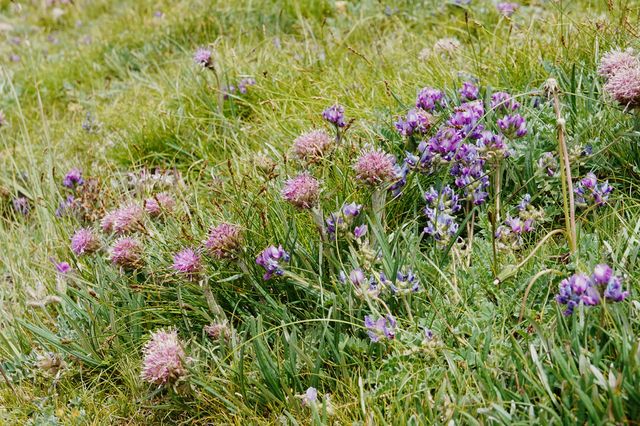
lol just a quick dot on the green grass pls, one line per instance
(150, 106)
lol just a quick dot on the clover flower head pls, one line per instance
(624, 86)
(224, 241)
(164, 358)
(374, 167)
(126, 253)
(126, 219)
(311, 147)
(187, 262)
(158, 204)
(616, 60)
(84, 241)
(302, 191)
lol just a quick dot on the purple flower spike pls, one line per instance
(21, 205)
(503, 102)
(352, 209)
(614, 292)
(380, 328)
(360, 231)
(270, 259)
(429, 98)
(513, 126)
(335, 115)
(417, 121)
(469, 91)
(73, 178)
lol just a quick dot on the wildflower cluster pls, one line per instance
(590, 290)
(621, 69)
(590, 192)
(509, 235)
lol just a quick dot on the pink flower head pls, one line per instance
(624, 86)
(312, 146)
(302, 191)
(163, 358)
(203, 57)
(127, 253)
(224, 241)
(84, 241)
(218, 330)
(128, 219)
(187, 262)
(107, 222)
(375, 167)
(159, 203)
(616, 60)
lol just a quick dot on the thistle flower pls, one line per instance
(624, 86)
(224, 241)
(416, 121)
(187, 262)
(507, 9)
(588, 191)
(469, 91)
(106, 223)
(375, 167)
(334, 115)
(303, 191)
(503, 102)
(311, 147)
(203, 57)
(616, 60)
(513, 126)
(164, 358)
(84, 241)
(159, 204)
(127, 253)
(128, 219)
(73, 178)
(270, 259)
(430, 98)
(380, 328)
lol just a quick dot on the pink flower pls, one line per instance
(128, 219)
(163, 358)
(624, 86)
(374, 167)
(218, 330)
(312, 146)
(126, 253)
(224, 241)
(302, 191)
(187, 262)
(107, 222)
(84, 241)
(159, 203)
(616, 60)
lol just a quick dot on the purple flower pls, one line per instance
(616, 60)
(163, 358)
(588, 191)
(270, 260)
(311, 147)
(128, 219)
(624, 86)
(224, 241)
(187, 262)
(380, 328)
(492, 145)
(73, 178)
(334, 115)
(159, 204)
(127, 253)
(507, 9)
(613, 292)
(602, 273)
(218, 330)
(360, 231)
(406, 282)
(439, 211)
(469, 91)
(303, 191)
(66, 206)
(203, 57)
(503, 102)
(416, 121)
(84, 241)
(430, 98)
(548, 164)
(580, 288)
(21, 205)
(244, 84)
(513, 126)
(352, 209)
(375, 167)
(310, 397)
(341, 221)
(62, 267)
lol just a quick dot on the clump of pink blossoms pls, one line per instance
(224, 241)
(375, 167)
(302, 191)
(159, 204)
(84, 241)
(164, 358)
(311, 147)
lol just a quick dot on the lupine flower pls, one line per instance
(580, 288)
(588, 191)
(503, 102)
(440, 208)
(302, 191)
(465, 119)
(430, 98)
(624, 86)
(310, 397)
(380, 328)
(548, 163)
(73, 178)
(244, 84)
(270, 260)
(84, 241)
(513, 126)
(187, 262)
(311, 147)
(66, 206)
(62, 267)
(507, 9)
(492, 146)
(335, 115)
(224, 241)
(21, 205)
(127, 253)
(602, 273)
(406, 282)
(613, 292)
(218, 330)
(375, 167)
(159, 204)
(416, 121)
(360, 231)
(469, 91)
(341, 221)
(617, 60)
(128, 219)
(364, 287)
(203, 57)
(164, 358)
